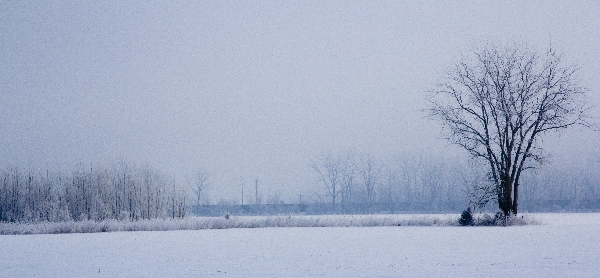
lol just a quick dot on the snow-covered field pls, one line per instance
(565, 245)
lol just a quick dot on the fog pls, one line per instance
(247, 90)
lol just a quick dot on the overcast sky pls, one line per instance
(248, 89)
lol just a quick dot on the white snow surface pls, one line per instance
(565, 245)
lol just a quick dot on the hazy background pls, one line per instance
(253, 89)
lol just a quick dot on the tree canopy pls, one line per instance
(497, 102)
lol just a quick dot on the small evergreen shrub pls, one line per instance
(466, 218)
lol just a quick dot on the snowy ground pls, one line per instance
(566, 245)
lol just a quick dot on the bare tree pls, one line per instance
(389, 188)
(369, 171)
(348, 167)
(199, 184)
(498, 101)
(329, 169)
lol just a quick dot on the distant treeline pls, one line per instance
(325, 208)
(120, 192)
(440, 184)
(574, 188)
(346, 184)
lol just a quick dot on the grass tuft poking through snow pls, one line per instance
(201, 223)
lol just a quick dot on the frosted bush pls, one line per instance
(484, 220)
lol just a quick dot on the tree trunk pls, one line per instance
(515, 203)
(334, 194)
(505, 203)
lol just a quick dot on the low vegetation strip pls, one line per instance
(201, 223)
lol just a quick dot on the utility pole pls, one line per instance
(256, 190)
(242, 194)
